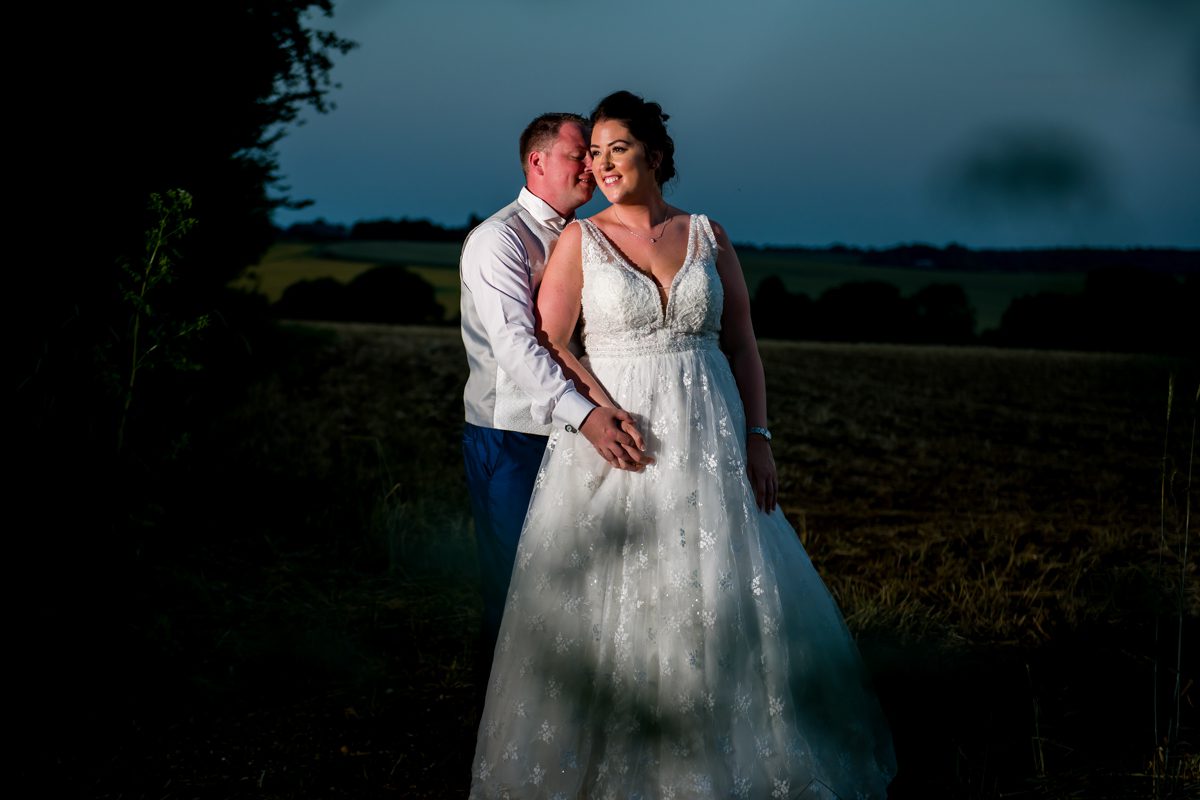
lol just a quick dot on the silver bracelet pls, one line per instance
(763, 432)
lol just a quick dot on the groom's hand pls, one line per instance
(616, 438)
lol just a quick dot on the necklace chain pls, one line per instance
(650, 239)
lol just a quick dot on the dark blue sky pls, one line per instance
(870, 122)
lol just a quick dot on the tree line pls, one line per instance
(379, 230)
(1121, 309)
(950, 258)
(1140, 300)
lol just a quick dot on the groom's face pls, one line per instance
(565, 171)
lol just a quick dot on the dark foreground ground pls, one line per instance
(1005, 532)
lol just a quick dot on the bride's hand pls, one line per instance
(760, 467)
(614, 434)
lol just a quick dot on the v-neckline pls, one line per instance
(664, 306)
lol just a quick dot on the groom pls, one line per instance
(516, 393)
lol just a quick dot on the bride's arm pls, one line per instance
(557, 313)
(610, 430)
(740, 345)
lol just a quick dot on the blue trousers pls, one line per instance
(501, 469)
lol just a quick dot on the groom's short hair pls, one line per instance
(540, 134)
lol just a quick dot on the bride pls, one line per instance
(666, 636)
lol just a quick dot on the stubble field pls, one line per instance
(996, 526)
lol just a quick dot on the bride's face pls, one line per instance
(622, 167)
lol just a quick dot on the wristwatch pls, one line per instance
(763, 432)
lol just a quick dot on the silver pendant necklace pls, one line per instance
(650, 239)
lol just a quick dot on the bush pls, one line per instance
(390, 295)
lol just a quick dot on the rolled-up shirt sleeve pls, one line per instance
(494, 269)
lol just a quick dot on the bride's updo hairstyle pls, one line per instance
(647, 123)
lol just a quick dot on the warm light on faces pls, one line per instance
(620, 163)
(560, 175)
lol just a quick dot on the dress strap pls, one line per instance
(587, 226)
(706, 226)
(600, 246)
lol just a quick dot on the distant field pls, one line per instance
(289, 263)
(437, 262)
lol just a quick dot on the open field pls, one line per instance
(995, 525)
(989, 293)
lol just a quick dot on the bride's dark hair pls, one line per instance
(647, 122)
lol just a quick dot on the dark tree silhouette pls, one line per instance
(138, 101)
(116, 102)
(780, 314)
(316, 231)
(1047, 319)
(388, 294)
(1132, 310)
(870, 311)
(1121, 309)
(185, 95)
(321, 298)
(411, 230)
(863, 311)
(942, 315)
(392, 295)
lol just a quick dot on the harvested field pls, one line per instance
(1004, 531)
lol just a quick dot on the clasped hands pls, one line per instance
(616, 438)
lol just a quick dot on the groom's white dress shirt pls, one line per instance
(515, 384)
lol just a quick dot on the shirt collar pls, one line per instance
(542, 211)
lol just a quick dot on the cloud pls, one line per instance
(1028, 170)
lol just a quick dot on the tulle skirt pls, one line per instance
(663, 638)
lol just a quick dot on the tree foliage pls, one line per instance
(1123, 310)
(1120, 310)
(388, 294)
(865, 311)
(133, 102)
(118, 107)
(136, 119)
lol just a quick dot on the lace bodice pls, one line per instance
(622, 310)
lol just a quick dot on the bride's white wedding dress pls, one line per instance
(663, 638)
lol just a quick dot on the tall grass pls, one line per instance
(1168, 768)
